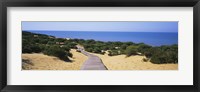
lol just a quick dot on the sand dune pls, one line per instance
(121, 62)
(43, 62)
(40, 61)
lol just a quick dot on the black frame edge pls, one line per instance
(3, 50)
(102, 3)
(196, 37)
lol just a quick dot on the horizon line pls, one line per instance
(97, 31)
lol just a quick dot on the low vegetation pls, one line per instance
(49, 45)
(59, 47)
(156, 55)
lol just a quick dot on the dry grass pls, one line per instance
(121, 62)
(38, 61)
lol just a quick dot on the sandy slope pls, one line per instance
(121, 62)
(43, 62)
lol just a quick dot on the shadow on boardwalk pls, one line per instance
(93, 62)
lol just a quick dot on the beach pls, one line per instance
(39, 61)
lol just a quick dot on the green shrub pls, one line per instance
(26, 49)
(163, 57)
(66, 48)
(143, 48)
(131, 50)
(42, 47)
(69, 54)
(51, 42)
(43, 41)
(148, 54)
(124, 46)
(71, 45)
(145, 59)
(31, 49)
(113, 52)
(109, 53)
(36, 48)
(97, 50)
(158, 59)
(89, 49)
(58, 52)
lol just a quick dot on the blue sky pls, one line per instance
(102, 26)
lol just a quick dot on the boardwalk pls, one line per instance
(92, 63)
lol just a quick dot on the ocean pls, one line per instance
(150, 38)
